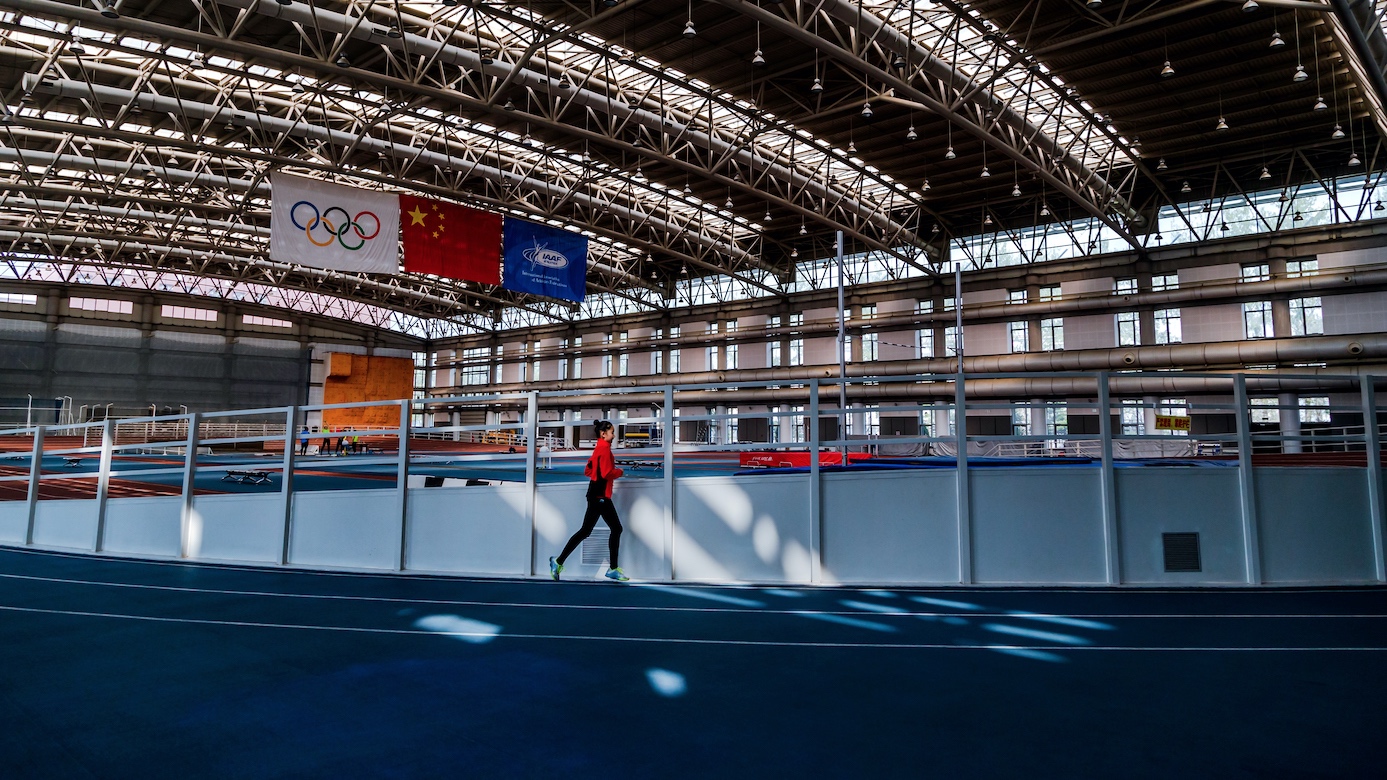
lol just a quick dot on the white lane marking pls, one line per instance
(679, 640)
(678, 589)
(1031, 633)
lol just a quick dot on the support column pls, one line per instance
(286, 486)
(103, 481)
(667, 443)
(1112, 552)
(815, 496)
(531, 477)
(35, 474)
(1373, 441)
(186, 518)
(1289, 421)
(1252, 555)
(402, 485)
(961, 487)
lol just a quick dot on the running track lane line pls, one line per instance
(655, 640)
(644, 608)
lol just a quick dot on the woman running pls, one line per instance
(602, 470)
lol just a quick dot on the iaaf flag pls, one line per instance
(447, 240)
(324, 225)
(544, 260)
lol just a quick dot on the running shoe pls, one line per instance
(555, 568)
(617, 574)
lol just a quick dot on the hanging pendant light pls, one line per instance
(985, 173)
(758, 58)
(1379, 206)
(803, 231)
(565, 82)
(794, 252)
(987, 220)
(1300, 74)
(816, 87)
(1338, 133)
(867, 110)
(1283, 197)
(1044, 209)
(1166, 70)
(926, 187)
(343, 62)
(1185, 187)
(1276, 41)
(1298, 217)
(852, 147)
(1266, 174)
(1353, 159)
(898, 63)
(1320, 105)
(729, 204)
(687, 189)
(689, 31)
(1161, 166)
(1250, 6)
(911, 135)
(76, 47)
(1221, 126)
(949, 155)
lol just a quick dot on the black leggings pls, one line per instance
(597, 507)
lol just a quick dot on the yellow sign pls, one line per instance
(1168, 422)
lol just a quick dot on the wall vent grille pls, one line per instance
(595, 546)
(1181, 551)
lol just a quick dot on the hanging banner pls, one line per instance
(544, 260)
(323, 225)
(450, 240)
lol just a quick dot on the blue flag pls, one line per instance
(544, 260)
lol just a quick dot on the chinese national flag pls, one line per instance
(448, 240)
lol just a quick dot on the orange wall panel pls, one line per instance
(352, 378)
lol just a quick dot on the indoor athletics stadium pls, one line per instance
(693, 388)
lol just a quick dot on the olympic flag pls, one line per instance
(324, 225)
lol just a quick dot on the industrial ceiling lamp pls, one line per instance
(1093, 3)
(729, 204)
(817, 86)
(509, 106)
(1166, 70)
(108, 10)
(1161, 166)
(392, 31)
(867, 110)
(1276, 40)
(1016, 190)
(803, 230)
(1379, 206)
(1250, 6)
(343, 62)
(1353, 159)
(1266, 174)
(926, 187)
(768, 216)
(565, 82)
(758, 58)
(852, 146)
(949, 153)
(1044, 209)
(794, 252)
(1298, 217)
(689, 31)
(1300, 74)
(1338, 133)
(1221, 126)
(76, 47)
(911, 135)
(1185, 187)
(1320, 105)
(985, 173)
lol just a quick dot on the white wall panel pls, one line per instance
(357, 529)
(66, 523)
(1158, 500)
(14, 521)
(144, 526)
(891, 527)
(481, 529)
(237, 528)
(1037, 526)
(752, 528)
(1303, 539)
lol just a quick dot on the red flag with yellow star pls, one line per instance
(450, 240)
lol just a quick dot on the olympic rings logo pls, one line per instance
(336, 231)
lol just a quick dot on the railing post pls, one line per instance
(286, 487)
(402, 484)
(35, 474)
(1373, 441)
(1247, 486)
(531, 475)
(962, 502)
(815, 495)
(668, 443)
(103, 481)
(1112, 551)
(185, 515)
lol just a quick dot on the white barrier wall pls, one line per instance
(1032, 526)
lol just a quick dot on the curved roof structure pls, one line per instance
(722, 139)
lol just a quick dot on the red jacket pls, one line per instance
(601, 468)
